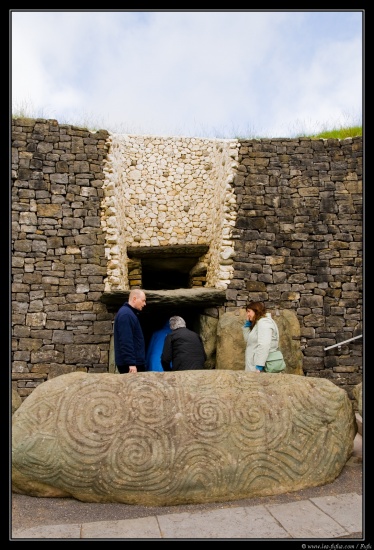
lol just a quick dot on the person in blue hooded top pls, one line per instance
(156, 344)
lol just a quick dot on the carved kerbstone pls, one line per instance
(160, 438)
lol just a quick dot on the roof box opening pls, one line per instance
(169, 267)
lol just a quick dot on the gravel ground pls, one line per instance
(27, 511)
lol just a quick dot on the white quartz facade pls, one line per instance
(167, 191)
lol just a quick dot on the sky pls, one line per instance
(192, 73)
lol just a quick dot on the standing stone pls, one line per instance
(357, 392)
(16, 400)
(208, 333)
(230, 342)
(231, 345)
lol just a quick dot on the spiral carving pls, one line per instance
(153, 402)
(184, 437)
(133, 464)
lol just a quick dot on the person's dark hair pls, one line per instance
(259, 309)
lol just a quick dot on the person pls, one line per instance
(153, 357)
(261, 336)
(183, 348)
(129, 344)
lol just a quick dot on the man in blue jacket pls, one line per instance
(129, 344)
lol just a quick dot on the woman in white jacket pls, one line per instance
(261, 336)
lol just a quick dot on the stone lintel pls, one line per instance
(186, 297)
(193, 251)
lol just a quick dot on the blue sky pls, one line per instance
(214, 74)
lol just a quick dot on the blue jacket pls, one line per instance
(155, 348)
(129, 345)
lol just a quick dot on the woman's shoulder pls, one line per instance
(266, 320)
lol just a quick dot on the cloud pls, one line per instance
(203, 74)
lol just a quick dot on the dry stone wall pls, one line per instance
(298, 244)
(59, 324)
(282, 219)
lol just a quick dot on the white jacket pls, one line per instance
(261, 340)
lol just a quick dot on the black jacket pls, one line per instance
(185, 349)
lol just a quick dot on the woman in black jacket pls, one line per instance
(183, 348)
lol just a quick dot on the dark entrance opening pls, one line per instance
(170, 267)
(153, 318)
(190, 304)
(163, 274)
